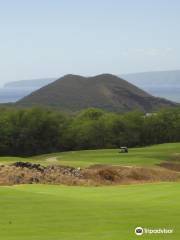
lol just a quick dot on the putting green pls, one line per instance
(43, 212)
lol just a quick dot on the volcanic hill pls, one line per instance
(105, 91)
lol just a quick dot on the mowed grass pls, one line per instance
(42, 212)
(137, 156)
(147, 156)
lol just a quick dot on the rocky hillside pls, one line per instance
(105, 91)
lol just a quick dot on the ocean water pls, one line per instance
(12, 95)
(169, 92)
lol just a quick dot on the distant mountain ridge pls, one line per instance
(14, 91)
(105, 91)
(164, 84)
(150, 78)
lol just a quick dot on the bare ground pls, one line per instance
(28, 173)
(175, 166)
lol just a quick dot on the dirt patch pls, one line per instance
(175, 166)
(28, 173)
(117, 174)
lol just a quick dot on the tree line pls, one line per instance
(26, 132)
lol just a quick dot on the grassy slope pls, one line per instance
(41, 212)
(147, 156)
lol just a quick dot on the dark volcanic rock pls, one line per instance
(29, 165)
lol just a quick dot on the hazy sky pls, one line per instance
(49, 38)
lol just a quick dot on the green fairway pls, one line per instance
(147, 156)
(35, 212)
(136, 156)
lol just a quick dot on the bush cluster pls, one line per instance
(27, 132)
